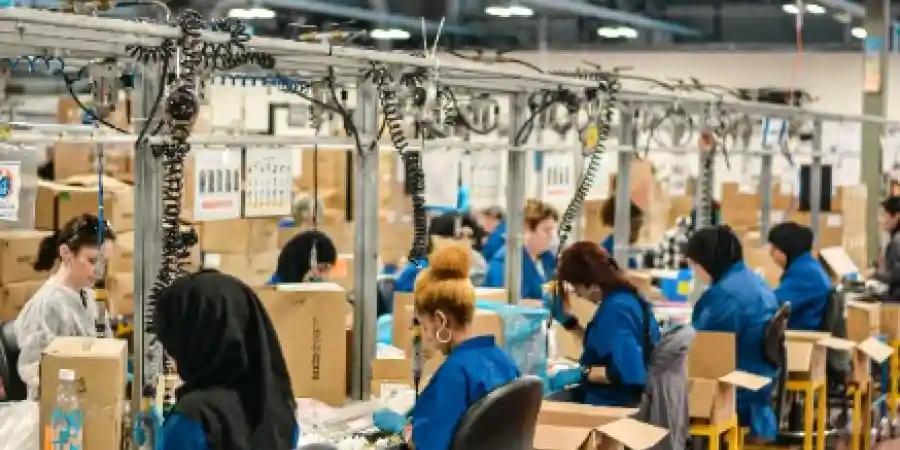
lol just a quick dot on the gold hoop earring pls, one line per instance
(443, 340)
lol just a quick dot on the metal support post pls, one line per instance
(765, 195)
(365, 248)
(147, 232)
(815, 180)
(622, 226)
(876, 69)
(515, 201)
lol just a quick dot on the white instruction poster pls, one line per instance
(10, 189)
(217, 183)
(558, 178)
(268, 181)
(486, 186)
(441, 169)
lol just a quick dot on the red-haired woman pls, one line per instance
(619, 338)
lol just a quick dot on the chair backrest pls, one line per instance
(506, 418)
(773, 342)
(833, 320)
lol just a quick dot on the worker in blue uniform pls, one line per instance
(737, 301)
(619, 339)
(493, 221)
(445, 307)
(538, 253)
(448, 226)
(608, 217)
(804, 284)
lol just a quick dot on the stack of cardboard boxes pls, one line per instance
(571, 426)
(120, 276)
(18, 279)
(245, 248)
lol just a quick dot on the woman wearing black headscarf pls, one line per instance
(308, 256)
(804, 284)
(737, 301)
(236, 393)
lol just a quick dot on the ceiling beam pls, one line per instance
(582, 8)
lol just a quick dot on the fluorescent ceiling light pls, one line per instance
(617, 32)
(859, 32)
(393, 34)
(509, 11)
(498, 11)
(251, 13)
(790, 8)
(814, 8)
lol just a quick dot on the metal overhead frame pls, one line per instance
(84, 38)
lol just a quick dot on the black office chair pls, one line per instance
(13, 386)
(505, 419)
(776, 353)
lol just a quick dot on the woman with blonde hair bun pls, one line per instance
(445, 307)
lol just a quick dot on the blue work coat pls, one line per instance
(495, 241)
(406, 280)
(806, 286)
(532, 281)
(741, 303)
(472, 370)
(182, 433)
(616, 338)
(609, 244)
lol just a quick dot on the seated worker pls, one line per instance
(888, 270)
(608, 217)
(236, 392)
(445, 307)
(447, 227)
(736, 301)
(621, 335)
(804, 284)
(65, 305)
(493, 221)
(539, 252)
(307, 257)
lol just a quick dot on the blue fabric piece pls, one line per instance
(472, 370)
(615, 339)
(385, 329)
(495, 241)
(463, 203)
(741, 303)
(406, 280)
(806, 286)
(182, 433)
(564, 378)
(532, 281)
(524, 335)
(389, 421)
(609, 244)
(554, 304)
(273, 280)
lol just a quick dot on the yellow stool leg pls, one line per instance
(714, 441)
(856, 420)
(823, 416)
(808, 418)
(734, 438)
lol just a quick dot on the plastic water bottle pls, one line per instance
(67, 419)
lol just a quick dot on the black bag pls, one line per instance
(834, 322)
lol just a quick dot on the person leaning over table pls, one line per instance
(737, 301)
(65, 305)
(493, 221)
(236, 393)
(804, 283)
(538, 253)
(888, 267)
(608, 217)
(619, 338)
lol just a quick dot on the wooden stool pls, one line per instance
(809, 390)
(861, 416)
(713, 432)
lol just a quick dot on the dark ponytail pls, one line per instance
(78, 232)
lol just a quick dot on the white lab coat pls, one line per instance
(54, 310)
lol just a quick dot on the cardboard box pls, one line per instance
(713, 381)
(838, 263)
(570, 345)
(310, 320)
(863, 320)
(807, 353)
(758, 259)
(56, 203)
(99, 365)
(739, 209)
(14, 296)
(868, 351)
(122, 258)
(565, 426)
(386, 372)
(394, 240)
(484, 323)
(831, 227)
(71, 159)
(253, 269)
(499, 295)
(18, 253)
(120, 293)
(120, 211)
(890, 321)
(246, 236)
(342, 273)
(594, 229)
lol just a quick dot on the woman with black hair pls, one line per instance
(65, 305)
(736, 301)
(308, 256)
(804, 284)
(888, 271)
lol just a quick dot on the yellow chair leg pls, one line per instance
(856, 424)
(867, 417)
(734, 438)
(808, 418)
(823, 416)
(714, 441)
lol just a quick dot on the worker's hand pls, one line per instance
(389, 421)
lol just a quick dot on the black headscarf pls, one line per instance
(294, 260)
(236, 383)
(448, 224)
(792, 239)
(891, 205)
(716, 249)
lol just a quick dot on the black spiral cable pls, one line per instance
(234, 52)
(412, 160)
